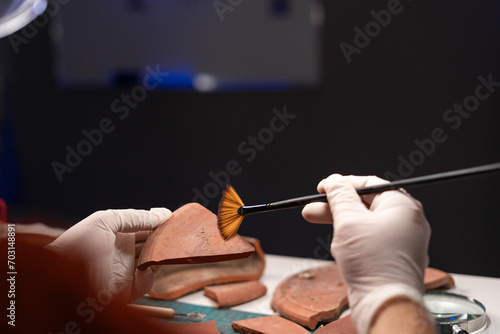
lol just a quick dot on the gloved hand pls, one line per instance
(110, 242)
(380, 243)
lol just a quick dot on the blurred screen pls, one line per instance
(201, 45)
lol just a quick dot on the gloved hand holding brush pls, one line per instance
(380, 244)
(109, 242)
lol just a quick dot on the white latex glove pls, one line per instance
(110, 242)
(380, 243)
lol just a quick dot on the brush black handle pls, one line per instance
(286, 204)
(405, 183)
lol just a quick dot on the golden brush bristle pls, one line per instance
(229, 220)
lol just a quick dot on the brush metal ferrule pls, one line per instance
(250, 209)
(241, 209)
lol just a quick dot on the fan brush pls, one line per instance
(232, 210)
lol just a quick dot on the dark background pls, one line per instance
(362, 119)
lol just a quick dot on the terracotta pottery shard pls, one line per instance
(342, 326)
(207, 327)
(176, 280)
(191, 236)
(320, 295)
(272, 324)
(312, 296)
(233, 294)
(436, 279)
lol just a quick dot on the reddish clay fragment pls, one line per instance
(207, 327)
(272, 324)
(437, 279)
(233, 294)
(191, 235)
(312, 296)
(176, 280)
(434, 279)
(320, 295)
(341, 326)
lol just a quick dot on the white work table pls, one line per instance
(484, 289)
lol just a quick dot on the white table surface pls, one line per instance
(484, 289)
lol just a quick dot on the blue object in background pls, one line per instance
(177, 80)
(245, 47)
(280, 7)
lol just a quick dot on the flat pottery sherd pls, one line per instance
(341, 326)
(320, 295)
(312, 296)
(227, 295)
(191, 236)
(176, 280)
(272, 324)
(437, 279)
(206, 327)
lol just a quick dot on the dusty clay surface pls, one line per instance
(272, 324)
(227, 295)
(437, 279)
(176, 280)
(320, 295)
(341, 326)
(312, 296)
(206, 327)
(191, 235)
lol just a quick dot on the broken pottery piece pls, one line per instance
(191, 235)
(206, 327)
(320, 295)
(272, 324)
(341, 326)
(312, 296)
(227, 295)
(436, 279)
(176, 280)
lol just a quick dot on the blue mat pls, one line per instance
(223, 317)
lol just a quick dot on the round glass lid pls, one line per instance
(455, 313)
